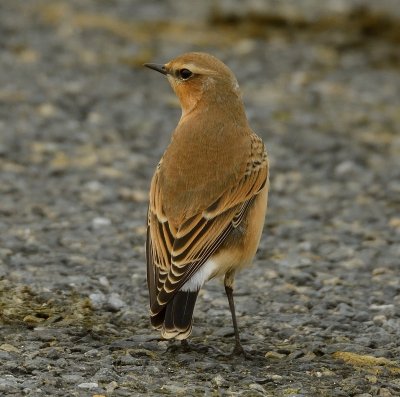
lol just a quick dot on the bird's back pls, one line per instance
(219, 166)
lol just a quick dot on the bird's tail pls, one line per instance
(175, 320)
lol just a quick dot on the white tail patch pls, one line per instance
(200, 277)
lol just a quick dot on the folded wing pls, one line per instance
(175, 254)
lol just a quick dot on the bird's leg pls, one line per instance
(228, 282)
(185, 345)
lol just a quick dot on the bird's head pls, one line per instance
(200, 79)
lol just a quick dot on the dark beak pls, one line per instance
(157, 67)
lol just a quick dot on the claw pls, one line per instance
(239, 351)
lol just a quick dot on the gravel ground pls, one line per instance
(82, 126)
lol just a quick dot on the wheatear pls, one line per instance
(208, 196)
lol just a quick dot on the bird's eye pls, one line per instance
(184, 74)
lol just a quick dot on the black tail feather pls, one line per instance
(179, 313)
(157, 320)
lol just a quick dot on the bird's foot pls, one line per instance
(185, 346)
(238, 351)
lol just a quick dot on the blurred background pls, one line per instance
(83, 125)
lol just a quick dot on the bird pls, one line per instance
(208, 195)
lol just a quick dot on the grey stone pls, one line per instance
(115, 303)
(88, 385)
(105, 375)
(8, 383)
(97, 300)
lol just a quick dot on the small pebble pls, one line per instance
(88, 385)
(99, 222)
